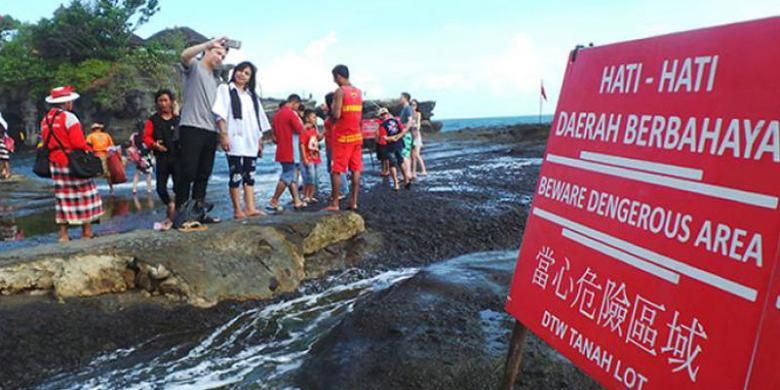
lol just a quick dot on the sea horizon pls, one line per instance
(456, 124)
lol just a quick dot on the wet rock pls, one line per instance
(333, 228)
(445, 328)
(87, 276)
(254, 259)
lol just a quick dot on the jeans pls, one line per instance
(196, 160)
(309, 173)
(288, 173)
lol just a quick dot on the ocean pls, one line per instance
(460, 124)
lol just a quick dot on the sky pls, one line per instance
(482, 58)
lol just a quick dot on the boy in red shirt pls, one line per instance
(310, 155)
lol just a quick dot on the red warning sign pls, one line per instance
(650, 256)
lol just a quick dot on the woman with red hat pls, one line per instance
(77, 202)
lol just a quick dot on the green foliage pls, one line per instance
(97, 29)
(82, 76)
(19, 66)
(87, 45)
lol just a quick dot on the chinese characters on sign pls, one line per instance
(684, 341)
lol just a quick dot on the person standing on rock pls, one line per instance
(197, 127)
(159, 132)
(100, 142)
(142, 157)
(287, 127)
(77, 201)
(417, 143)
(5, 150)
(406, 120)
(329, 140)
(241, 121)
(348, 140)
(391, 132)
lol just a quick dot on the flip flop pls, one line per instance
(211, 220)
(257, 213)
(193, 226)
(332, 208)
(163, 226)
(274, 209)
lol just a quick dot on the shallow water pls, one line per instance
(27, 205)
(258, 348)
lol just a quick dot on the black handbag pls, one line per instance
(84, 165)
(80, 163)
(41, 166)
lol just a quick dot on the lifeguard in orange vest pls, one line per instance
(348, 140)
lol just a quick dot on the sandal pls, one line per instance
(274, 209)
(256, 213)
(163, 226)
(193, 226)
(210, 220)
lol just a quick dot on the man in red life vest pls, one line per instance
(348, 140)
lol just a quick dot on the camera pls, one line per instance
(232, 44)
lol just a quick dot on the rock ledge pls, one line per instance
(237, 260)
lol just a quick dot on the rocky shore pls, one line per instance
(255, 259)
(444, 327)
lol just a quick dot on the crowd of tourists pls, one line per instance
(179, 144)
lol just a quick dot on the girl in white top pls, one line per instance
(241, 121)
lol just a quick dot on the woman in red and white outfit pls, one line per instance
(77, 200)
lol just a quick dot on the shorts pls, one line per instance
(347, 156)
(407, 151)
(309, 174)
(381, 152)
(242, 169)
(395, 157)
(288, 173)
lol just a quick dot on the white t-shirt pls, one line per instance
(244, 134)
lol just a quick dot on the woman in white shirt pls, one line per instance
(241, 121)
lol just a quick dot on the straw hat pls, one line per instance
(97, 125)
(62, 95)
(383, 111)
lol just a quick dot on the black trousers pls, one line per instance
(166, 168)
(195, 162)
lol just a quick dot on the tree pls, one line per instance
(98, 29)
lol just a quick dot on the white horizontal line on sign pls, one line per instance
(631, 260)
(705, 277)
(740, 196)
(643, 165)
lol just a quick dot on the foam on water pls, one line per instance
(257, 347)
